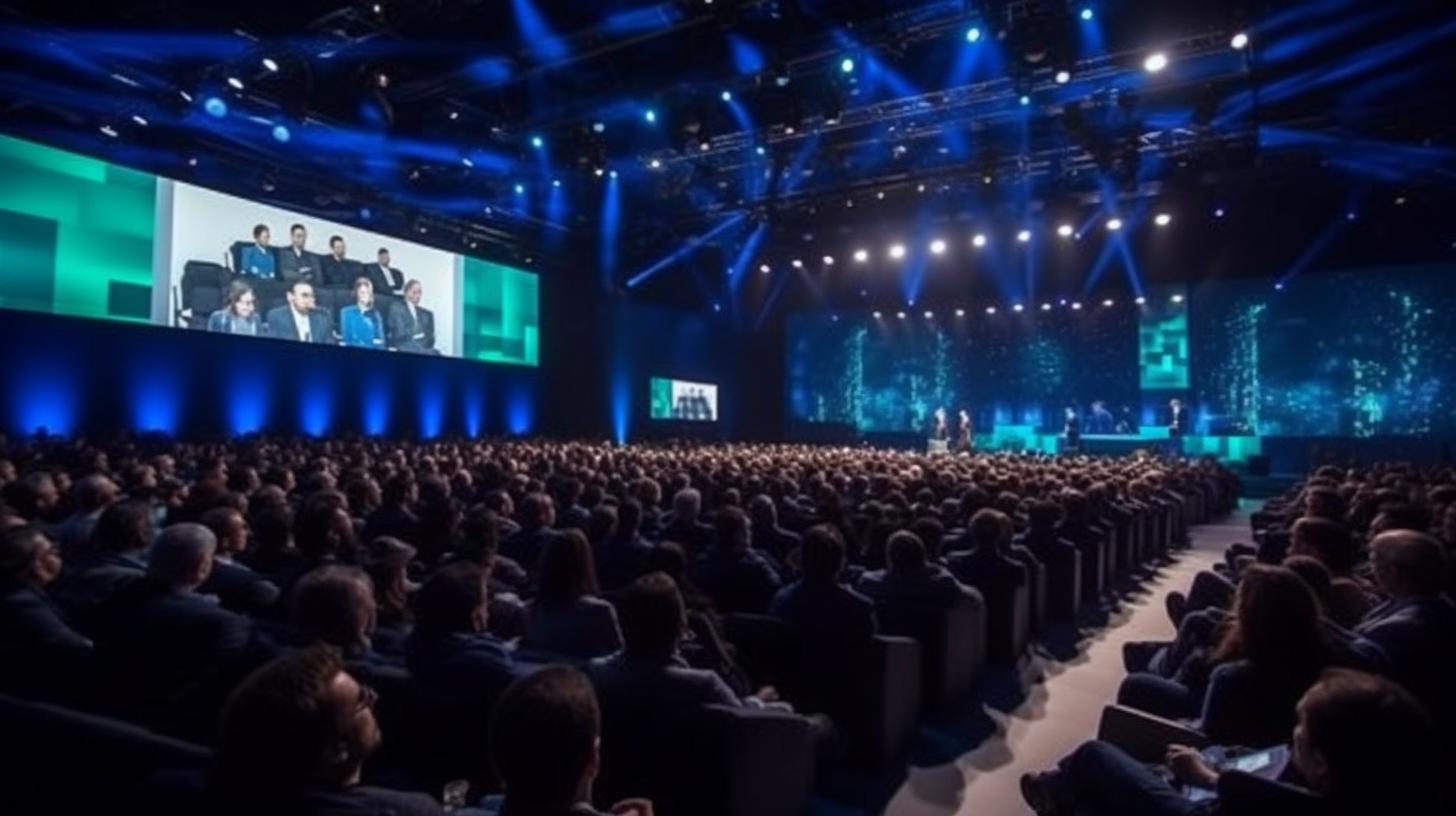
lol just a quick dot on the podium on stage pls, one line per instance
(937, 446)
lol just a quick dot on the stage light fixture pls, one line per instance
(1155, 62)
(555, 182)
(861, 256)
(282, 134)
(520, 189)
(1176, 298)
(215, 107)
(139, 119)
(271, 64)
(655, 164)
(235, 83)
(897, 251)
(876, 315)
(611, 174)
(829, 260)
(1108, 302)
(1279, 286)
(929, 314)
(1140, 300)
(1046, 307)
(454, 115)
(760, 150)
(650, 116)
(599, 127)
(1017, 307)
(765, 268)
(1025, 100)
(1023, 236)
(1086, 15)
(960, 312)
(1218, 213)
(1350, 216)
(599, 172)
(937, 247)
(1114, 224)
(796, 263)
(900, 315)
(726, 96)
(1063, 77)
(846, 65)
(704, 146)
(979, 240)
(109, 131)
(1076, 305)
(1240, 41)
(920, 188)
(537, 142)
(973, 34)
(990, 310)
(1065, 230)
(1163, 219)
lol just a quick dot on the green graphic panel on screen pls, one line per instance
(661, 398)
(75, 234)
(501, 314)
(1163, 340)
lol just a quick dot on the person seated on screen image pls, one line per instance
(256, 259)
(296, 262)
(299, 320)
(239, 315)
(702, 408)
(412, 327)
(336, 269)
(1101, 421)
(386, 279)
(361, 324)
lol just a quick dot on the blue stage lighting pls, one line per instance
(281, 133)
(1025, 100)
(537, 142)
(215, 107)
(846, 65)
(650, 115)
(599, 127)
(760, 150)
(520, 189)
(973, 34)
(1086, 14)
(727, 96)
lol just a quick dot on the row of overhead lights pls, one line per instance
(1018, 308)
(938, 246)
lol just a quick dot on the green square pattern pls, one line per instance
(1163, 345)
(501, 314)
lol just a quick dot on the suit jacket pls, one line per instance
(297, 266)
(385, 278)
(931, 587)
(280, 325)
(407, 333)
(1418, 635)
(526, 546)
(239, 588)
(29, 620)
(337, 272)
(1179, 424)
(256, 262)
(581, 630)
(736, 581)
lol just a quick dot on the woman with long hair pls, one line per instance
(239, 314)
(566, 618)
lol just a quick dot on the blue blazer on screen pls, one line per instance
(280, 325)
(257, 262)
(362, 329)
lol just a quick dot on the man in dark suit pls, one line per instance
(538, 518)
(299, 320)
(828, 615)
(172, 650)
(768, 537)
(412, 327)
(1072, 430)
(991, 570)
(1178, 419)
(911, 582)
(1101, 421)
(42, 654)
(296, 263)
(386, 279)
(337, 269)
(737, 577)
(235, 584)
(684, 526)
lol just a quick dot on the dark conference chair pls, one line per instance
(952, 645)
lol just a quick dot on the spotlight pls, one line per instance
(612, 174)
(454, 115)
(1076, 305)
(1114, 224)
(1140, 300)
(929, 314)
(796, 263)
(846, 65)
(1279, 286)
(920, 188)
(1023, 236)
(897, 251)
(1086, 15)
(829, 260)
(979, 240)
(109, 131)
(876, 315)
(705, 145)
(600, 172)
(760, 150)
(1063, 77)
(1107, 302)
(900, 315)
(555, 182)
(1218, 213)
(1025, 100)
(520, 189)
(1176, 298)
(537, 142)
(649, 116)
(1017, 307)
(1046, 307)
(655, 164)
(1065, 230)
(937, 247)
(1163, 219)
(1240, 41)
(990, 310)
(1350, 216)
(765, 268)
(235, 83)
(861, 256)
(727, 96)
(960, 312)
(973, 34)
(1155, 62)
(271, 64)
(139, 119)
(281, 133)
(599, 127)
(215, 107)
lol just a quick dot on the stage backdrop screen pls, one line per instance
(682, 400)
(86, 238)
(889, 374)
(1360, 353)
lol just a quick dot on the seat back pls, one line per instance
(952, 646)
(204, 285)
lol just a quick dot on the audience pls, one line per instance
(566, 618)
(737, 577)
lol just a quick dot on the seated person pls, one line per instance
(239, 314)
(737, 577)
(256, 259)
(169, 648)
(299, 319)
(684, 525)
(336, 269)
(335, 605)
(361, 325)
(825, 611)
(234, 583)
(387, 562)
(620, 559)
(386, 279)
(1360, 745)
(294, 738)
(566, 618)
(118, 557)
(90, 496)
(1333, 545)
(910, 582)
(411, 326)
(538, 520)
(545, 741)
(768, 537)
(41, 650)
(295, 263)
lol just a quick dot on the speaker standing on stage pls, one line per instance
(1073, 429)
(963, 434)
(942, 431)
(1178, 422)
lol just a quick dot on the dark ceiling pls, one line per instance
(788, 130)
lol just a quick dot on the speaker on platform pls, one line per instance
(1259, 465)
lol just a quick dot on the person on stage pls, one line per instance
(1072, 430)
(1101, 421)
(1127, 422)
(963, 434)
(1178, 420)
(942, 431)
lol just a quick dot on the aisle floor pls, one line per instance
(1062, 711)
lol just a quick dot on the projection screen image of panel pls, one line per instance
(683, 401)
